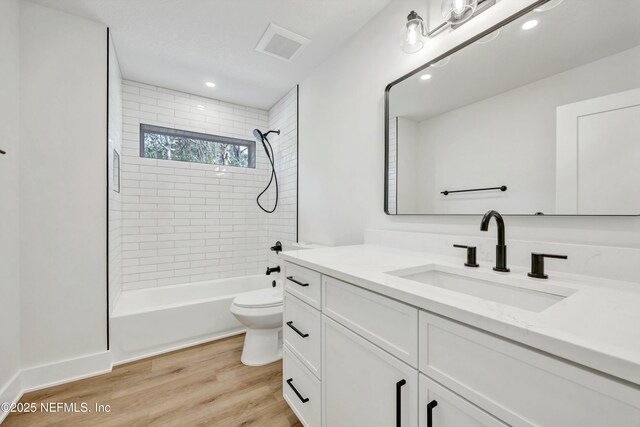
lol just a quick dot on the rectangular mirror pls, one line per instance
(539, 116)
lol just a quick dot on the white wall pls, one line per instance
(185, 222)
(9, 219)
(510, 139)
(342, 142)
(62, 185)
(115, 197)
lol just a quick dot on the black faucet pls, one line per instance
(537, 264)
(277, 248)
(273, 270)
(501, 248)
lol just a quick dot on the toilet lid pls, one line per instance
(261, 298)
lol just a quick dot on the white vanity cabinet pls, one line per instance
(440, 407)
(380, 362)
(364, 385)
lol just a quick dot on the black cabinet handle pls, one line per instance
(296, 282)
(302, 399)
(290, 324)
(399, 385)
(430, 407)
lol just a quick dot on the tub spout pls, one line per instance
(273, 270)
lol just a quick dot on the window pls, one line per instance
(173, 144)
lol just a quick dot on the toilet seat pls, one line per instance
(263, 298)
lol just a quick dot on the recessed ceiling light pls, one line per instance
(530, 24)
(210, 84)
(425, 77)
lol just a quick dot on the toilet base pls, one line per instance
(262, 346)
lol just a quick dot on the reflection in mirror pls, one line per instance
(548, 107)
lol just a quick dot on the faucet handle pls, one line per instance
(537, 264)
(471, 255)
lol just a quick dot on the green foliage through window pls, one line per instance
(173, 144)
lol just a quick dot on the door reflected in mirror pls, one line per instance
(532, 119)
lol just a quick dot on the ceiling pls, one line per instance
(574, 33)
(181, 44)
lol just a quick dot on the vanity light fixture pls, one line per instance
(530, 24)
(210, 84)
(454, 12)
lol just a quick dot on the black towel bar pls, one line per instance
(447, 192)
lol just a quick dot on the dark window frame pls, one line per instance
(159, 130)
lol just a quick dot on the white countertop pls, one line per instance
(598, 326)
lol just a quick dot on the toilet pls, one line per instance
(261, 312)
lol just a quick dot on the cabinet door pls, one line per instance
(440, 407)
(363, 385)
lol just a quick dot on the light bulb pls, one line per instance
(458, 11)
(412, 34)
(458, 6)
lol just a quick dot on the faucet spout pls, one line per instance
(501, 247)
(484, 225)
(273, 270)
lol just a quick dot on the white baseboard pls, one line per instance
(10, 393)
(43, 376)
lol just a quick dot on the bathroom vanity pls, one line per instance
(376, 336)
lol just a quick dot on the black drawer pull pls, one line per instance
(302, 399)
(399, 385)
(3, 152)
(296, 281)
(430, 407)
(290, 324)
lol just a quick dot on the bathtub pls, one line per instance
(147, 322)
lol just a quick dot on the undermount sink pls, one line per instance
(516, 292)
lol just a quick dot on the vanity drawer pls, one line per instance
(450, 410)
(521, 386)
(301, 390)
(302, 326)
(387, 323)
(303, 283)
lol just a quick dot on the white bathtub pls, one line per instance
(151, 321)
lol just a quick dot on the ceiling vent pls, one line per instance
(281, 43)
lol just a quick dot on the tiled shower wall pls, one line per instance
(282, 224)
(185, 222)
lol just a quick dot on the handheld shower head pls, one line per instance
(258, 135)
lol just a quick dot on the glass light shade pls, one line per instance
(411, 36)
(458, 11)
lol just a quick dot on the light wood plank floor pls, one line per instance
(204, 385)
